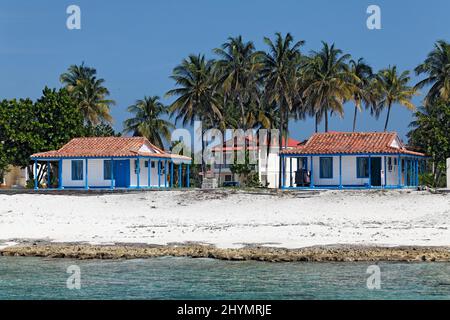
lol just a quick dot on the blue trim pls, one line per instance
(171, 174)
(399, 168)
(166, 169)
(180, 173)
(159, 173)
(312, 172)
(60, 176)
(112, 173)
(321, 174)
(86, 185)
(188, 182)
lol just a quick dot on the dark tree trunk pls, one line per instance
(317, 123)
(354, 118)
(387, 118)
(326, 121)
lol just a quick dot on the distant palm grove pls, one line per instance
(244, 88)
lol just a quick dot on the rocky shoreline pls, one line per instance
(338, 253)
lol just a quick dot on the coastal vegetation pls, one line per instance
(241, 87)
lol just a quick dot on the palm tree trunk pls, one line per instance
(326, 120)
(387, 117)
(317, 122)
(354, 118)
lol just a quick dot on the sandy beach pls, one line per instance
(228, 219)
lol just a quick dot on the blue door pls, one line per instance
(122, 173)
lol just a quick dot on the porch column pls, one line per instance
(417, 172)
(171, 174)
(48, 175)
(290, 172)
(159, 173)
(411, 172)
(138, 172)
(180, 174)
(312, 173)
(370, 171)
(283, 172)
(36, 185)
(188, 179)
(340, 172)
(149, 172)
(385, 171)
(86, 179)
(60, 177)
(112, 173)
(166, 169)
(399, 167)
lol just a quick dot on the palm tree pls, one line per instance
(90, 93)
(437, 69)
(147, 121)
(280, 69)
(328, 82)
(393, 88)
(362, 77)
(197, 97)
(238, 68)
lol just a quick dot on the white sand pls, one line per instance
(352, 217)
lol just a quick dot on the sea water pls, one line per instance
(186, 278)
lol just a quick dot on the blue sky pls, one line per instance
(135, 44)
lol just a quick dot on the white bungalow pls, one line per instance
(111, 162)
(351, 160)
(267, 165)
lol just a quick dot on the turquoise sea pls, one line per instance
(185, 278)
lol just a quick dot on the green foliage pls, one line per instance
(89, 92)
(47, 124)
(431, 134)
(243, 169)
(100, 130)
(147, 121)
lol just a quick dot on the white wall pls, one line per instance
(96, 177)
(143, 177)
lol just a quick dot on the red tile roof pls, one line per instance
(353, 143)
(108, 147)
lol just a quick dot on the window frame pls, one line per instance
(321, 173)
(110, 170)
(358, 176)
(75, 167)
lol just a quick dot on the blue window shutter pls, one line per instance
(77, 170)
(107, 169)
